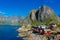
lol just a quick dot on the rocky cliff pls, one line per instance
(44, 14)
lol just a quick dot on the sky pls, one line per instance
(22, 7)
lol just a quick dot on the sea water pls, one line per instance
(8, 32)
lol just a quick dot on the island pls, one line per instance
(40, 24)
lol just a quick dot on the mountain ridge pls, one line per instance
(42, 15)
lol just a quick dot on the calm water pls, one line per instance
(8, 32)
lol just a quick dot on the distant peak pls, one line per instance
(44, 6)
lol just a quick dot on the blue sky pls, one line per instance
(22, 7)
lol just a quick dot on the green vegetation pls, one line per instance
(48, 20)
(34, 22)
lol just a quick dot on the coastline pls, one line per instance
(10, 25)
(29, 35)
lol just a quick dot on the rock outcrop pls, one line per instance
(44, 14)
(28, 35)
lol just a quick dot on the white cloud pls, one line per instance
(2, 12)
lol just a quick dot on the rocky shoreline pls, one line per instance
(35, 37)
(27, 33)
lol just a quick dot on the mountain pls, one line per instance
(21, 18)
(42, 15)
(11, 20)
(59, 18)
